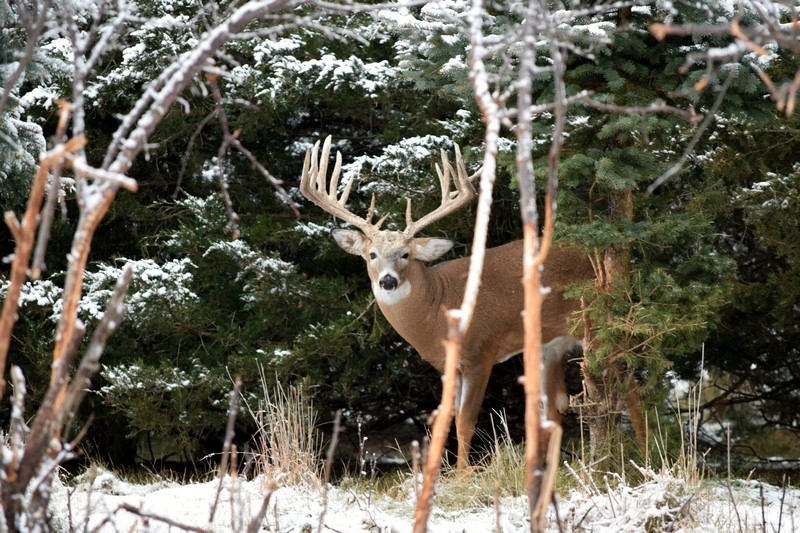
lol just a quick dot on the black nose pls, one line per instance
(388, 283)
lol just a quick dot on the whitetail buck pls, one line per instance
(412, 296)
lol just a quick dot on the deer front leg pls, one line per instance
(469, 396)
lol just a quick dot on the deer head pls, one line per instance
(388, 254)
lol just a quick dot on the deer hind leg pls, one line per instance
(469, 396)
(556, 355)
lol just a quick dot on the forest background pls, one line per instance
(235, 275)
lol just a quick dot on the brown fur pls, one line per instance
(411, 295)
(496, 330)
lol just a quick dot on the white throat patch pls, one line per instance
(391, 297)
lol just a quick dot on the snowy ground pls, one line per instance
(664, 503)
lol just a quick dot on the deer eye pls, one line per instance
(405, 255)
(373, 255)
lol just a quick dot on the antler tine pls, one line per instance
(463, 194)
(444, 174)
(337, 170)
(314, 187)
(463, 181)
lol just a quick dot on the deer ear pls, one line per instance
(428, 249)
(351, 241)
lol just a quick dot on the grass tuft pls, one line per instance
(287, 442)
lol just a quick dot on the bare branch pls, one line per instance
(24, 232)
(94, 201)
(19, 429)
(158, 518)
(231, 139)
(271, 180)
(674, 169)
(190, 147)
(536, 249)
(230, 431)
(690, 114)
(34, 30)
(662, 31)
(227, 139)
(761, 31)
(90, 363)
(442, 419)
(337, 427)
(490, 105)
(82, 168)
(48, 213)
(256, 522)
(29, 457)
(46, 222)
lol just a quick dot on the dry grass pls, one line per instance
(287, 441)
(500, 474)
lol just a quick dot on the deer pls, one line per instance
(411, 295)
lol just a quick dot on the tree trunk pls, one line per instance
(604, 392)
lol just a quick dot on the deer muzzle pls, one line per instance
(388, 282)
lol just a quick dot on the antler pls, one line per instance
(314, 187)
(451, 202)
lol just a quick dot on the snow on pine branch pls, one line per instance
(257, 271)
(123, 379)
(280, 66)
(405, 167)
(139, 123)
(153, 283)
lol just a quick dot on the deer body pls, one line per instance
(412, 295)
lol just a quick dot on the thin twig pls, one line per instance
(415, 457)
(34, 31)
(116, 179)
(158, 518)
(691, 115)
(256, 522)
(442, 419)
(549, 480)
(695, 138)
(227, 139)
(18, 428)
(337, 423)
(230, 431)
(190, 148)
(733, 502)
(271, 180)
(90, 363)
(48, 213)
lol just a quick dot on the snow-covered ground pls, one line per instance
(662, 503)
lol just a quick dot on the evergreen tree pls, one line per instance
(281, 297)
(21, 138)
(661, 284)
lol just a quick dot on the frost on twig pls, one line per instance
(24, 232)
(759, 40)
(37, 450)
(442, 418)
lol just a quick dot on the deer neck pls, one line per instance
(414, 311)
